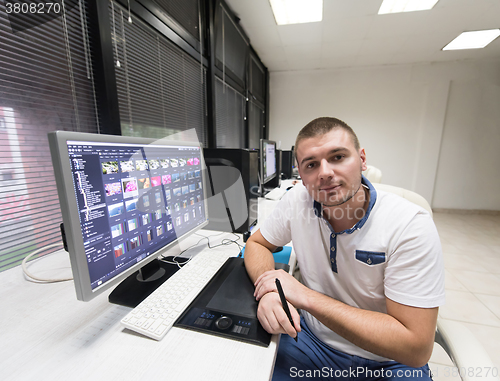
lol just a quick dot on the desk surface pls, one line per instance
(48, 334)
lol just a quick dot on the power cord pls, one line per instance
(34, 277)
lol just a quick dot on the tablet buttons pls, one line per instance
(224, 322)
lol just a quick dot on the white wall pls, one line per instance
(431, 128)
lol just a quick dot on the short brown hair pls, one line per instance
(324, 125)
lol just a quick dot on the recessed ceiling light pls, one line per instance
(297, 11)
(473, 40)
(397, 6)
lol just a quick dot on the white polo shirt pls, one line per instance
(393, 252)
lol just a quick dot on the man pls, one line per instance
(371, 268)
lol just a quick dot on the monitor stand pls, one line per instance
(265, 190)
(138, 286)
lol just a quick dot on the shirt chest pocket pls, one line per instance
(370, 270)
(370, 258)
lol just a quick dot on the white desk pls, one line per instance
(47, 334)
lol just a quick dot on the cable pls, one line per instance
(34, 277)
(174, 262)
(179, 265)
(227, 242)
(208, 236)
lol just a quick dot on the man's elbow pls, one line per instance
(420, 355)
(251, 248)
(251, 241)
(258, 258)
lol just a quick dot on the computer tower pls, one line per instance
(286, 164)
(233, 188)
(276, 182)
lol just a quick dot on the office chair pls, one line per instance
(465, 351)
(373, 174)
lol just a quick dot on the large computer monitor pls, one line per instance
(267, 161)
(124, 202)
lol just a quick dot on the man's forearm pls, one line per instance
(375, 332)
(258, 260)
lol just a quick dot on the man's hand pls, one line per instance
(295, 291)
(270, 312)
(273, 318)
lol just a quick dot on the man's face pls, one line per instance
(330, 166)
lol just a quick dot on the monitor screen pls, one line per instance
(267, 160)
(124, 201)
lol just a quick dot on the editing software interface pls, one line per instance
(269, 159)
(133, 200)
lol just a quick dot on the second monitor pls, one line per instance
(268, 168)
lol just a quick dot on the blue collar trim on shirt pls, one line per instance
(318, 208)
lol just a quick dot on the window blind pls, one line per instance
(231, 48)
(230, 116)
(185, 12)
(257, 82)
(161, 89)
(46, 84)
(256, 121)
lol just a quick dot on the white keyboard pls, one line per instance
(275, 194)
(156, 314)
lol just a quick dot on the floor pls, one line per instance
(471, 250)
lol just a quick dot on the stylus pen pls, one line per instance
(285, 305)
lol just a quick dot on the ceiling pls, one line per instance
(353, 35)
